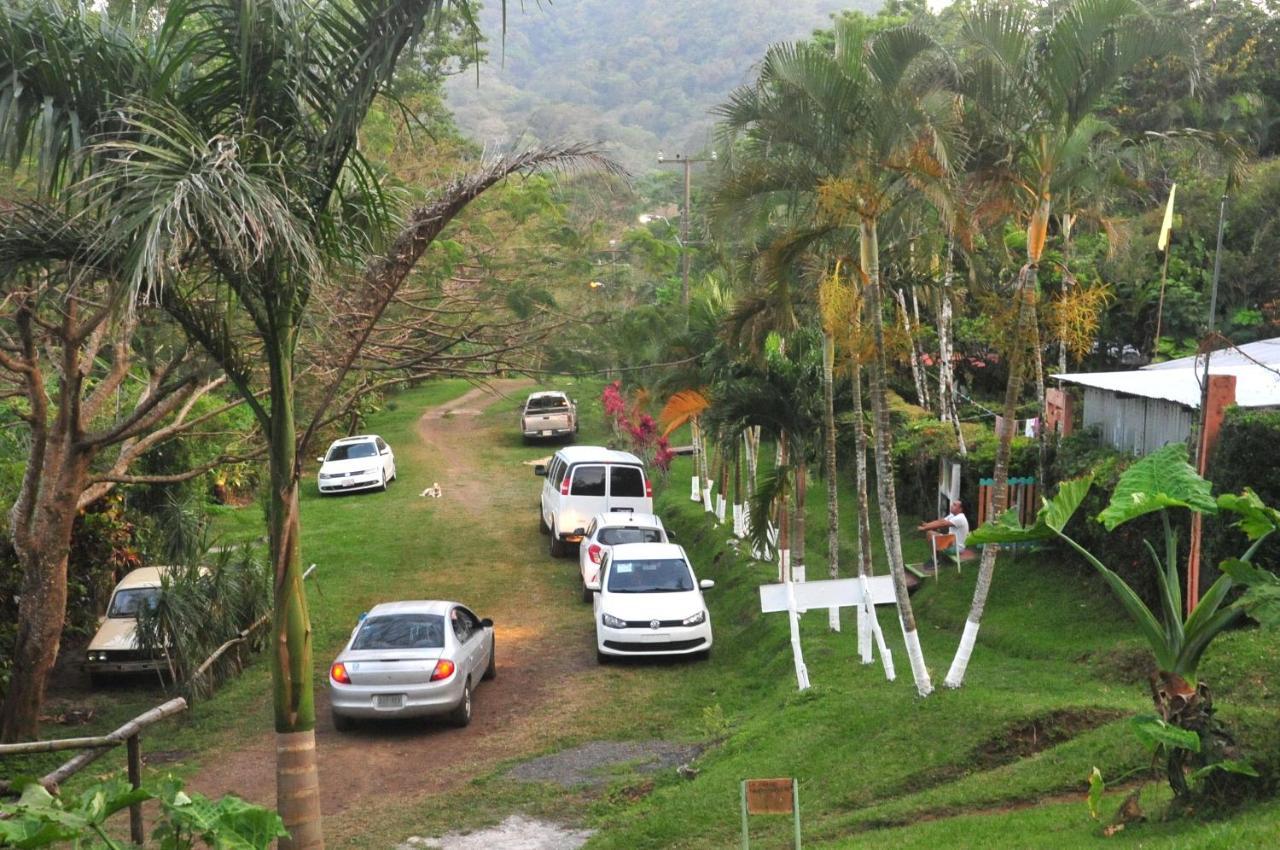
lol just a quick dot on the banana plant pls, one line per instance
(1162, 481)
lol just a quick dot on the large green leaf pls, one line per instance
(1006, 529)
(1261, 599)
(1162, 479)
(1051, 519)
(1155, 732)
(1256, 519)
(1057, 512)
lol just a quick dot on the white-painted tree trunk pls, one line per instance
(864, 635)
(797, 654)
(917, 368)
(695, 493)
(960, 663)
(720, 509)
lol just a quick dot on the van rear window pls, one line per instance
(626, 482)
(616, 536)
(588, 481)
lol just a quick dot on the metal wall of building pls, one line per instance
(1136, 425)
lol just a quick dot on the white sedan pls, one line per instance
(365, 462)
(650, 603)
(412, 659)
(609, 530)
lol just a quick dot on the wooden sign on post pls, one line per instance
(863, 593)
(769, 797)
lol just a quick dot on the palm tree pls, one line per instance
(1037, 86)
(859, 128)
(233, 188)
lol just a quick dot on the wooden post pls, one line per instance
(134, 746)
(1220, 393)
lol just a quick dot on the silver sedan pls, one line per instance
(411, 659)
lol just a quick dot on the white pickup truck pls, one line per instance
(548, 414)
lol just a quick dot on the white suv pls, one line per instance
(356, 463)
(583, 481)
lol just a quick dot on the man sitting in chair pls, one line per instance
(947, 534)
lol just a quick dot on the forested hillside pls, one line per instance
(640, 74)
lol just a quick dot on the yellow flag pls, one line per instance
(1168, 220)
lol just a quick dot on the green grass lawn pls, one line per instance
(1002, 762)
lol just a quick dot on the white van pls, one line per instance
(582, 481)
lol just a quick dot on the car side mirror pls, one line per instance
(540, 469)
(487, 623)
(706, 584)
(580, 531)
(319, 460)
(595, 590)
(385, 451)
(671, 536)
(363, 614)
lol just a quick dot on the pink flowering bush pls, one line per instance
(640, 430)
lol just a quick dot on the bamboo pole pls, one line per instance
(119, 736)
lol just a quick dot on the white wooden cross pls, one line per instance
(862, 592)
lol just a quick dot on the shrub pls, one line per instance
(919, 446)
(1247, 437)
(201, 608)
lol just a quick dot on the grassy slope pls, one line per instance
(871, 756)
(352, 570)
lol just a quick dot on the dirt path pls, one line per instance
(399, 761)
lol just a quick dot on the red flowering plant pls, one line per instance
(640, 430)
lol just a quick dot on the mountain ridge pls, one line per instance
(639, 76)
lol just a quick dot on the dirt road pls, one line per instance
(517, 713)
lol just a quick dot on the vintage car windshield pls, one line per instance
(130, 602)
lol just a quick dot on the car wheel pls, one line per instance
(395, 473)
(542, 523)
(587, 594)
(704, 655)
(342, 723)
(601, 658)
(558, 547)
(382, 488)
(461, 716)
(97, 680)
(491, 672)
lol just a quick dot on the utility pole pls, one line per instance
(687, 162)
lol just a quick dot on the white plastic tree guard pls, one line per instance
(863, 593)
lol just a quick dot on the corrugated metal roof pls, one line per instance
(1256, 386)
(1263, 351)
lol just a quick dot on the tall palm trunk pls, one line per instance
(784, 514)
(887, 498)
(800, 470)
(293, 695)
(829, 467)
(948, 403)
(1026, 316)
(863, 551)
(917, 367)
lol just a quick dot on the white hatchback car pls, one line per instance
(356, 463)
(609, 530)
(650, 603)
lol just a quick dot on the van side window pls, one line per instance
(587, 481)
(626, 481)
(557, 473)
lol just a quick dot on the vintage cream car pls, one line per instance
(114, 649)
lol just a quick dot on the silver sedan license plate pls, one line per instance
(388, 701)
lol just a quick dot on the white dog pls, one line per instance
(433, 491)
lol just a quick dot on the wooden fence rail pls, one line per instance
(129, 734)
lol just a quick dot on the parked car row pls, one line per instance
(645, 598)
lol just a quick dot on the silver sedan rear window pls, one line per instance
(401, 631)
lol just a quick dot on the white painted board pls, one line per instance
(828, 593)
